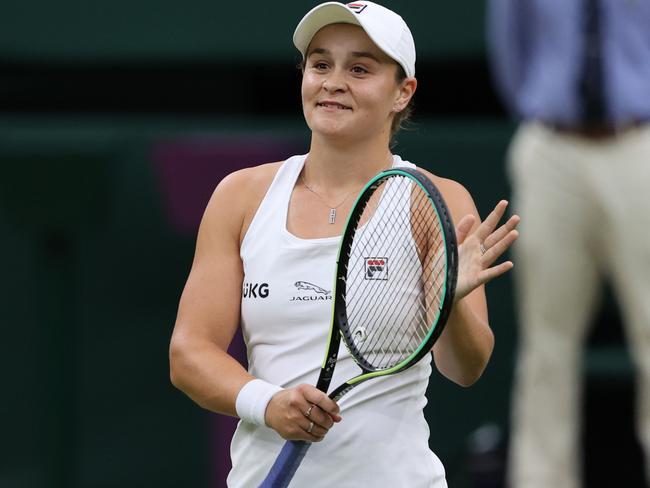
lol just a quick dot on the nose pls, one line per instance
(335, 82)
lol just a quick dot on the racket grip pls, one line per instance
(286, 464)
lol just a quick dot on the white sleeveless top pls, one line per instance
(286, 309)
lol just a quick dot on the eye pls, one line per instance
(320, 65)
(359, 70)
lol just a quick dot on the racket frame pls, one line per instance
(339, 319)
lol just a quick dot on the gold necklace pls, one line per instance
(332, 216)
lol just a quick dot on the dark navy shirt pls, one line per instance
(537, 56)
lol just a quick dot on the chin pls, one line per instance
(330, 128)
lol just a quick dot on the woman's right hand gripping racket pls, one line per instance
(395, 281)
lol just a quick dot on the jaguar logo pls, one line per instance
(305, 285)
(310, 293)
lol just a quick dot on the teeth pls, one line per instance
(329, 105)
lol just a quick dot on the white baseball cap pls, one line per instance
(384, 27)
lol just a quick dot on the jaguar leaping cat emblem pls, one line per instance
(305, 285)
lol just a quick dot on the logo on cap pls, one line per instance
(357, 8)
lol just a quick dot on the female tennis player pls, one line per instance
(266, 256)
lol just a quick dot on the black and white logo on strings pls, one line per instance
(376, 268)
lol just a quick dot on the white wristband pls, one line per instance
(253, 399)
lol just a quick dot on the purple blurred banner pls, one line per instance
(188, 170)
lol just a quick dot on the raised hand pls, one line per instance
(480, 248)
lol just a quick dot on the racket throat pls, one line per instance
(327, 371)
(340, 391)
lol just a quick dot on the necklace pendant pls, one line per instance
(332, 215)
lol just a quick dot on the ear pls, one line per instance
(406, 91)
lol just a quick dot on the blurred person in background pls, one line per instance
(577, 77)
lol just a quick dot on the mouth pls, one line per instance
(333, 105)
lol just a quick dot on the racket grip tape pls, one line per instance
(286, 464)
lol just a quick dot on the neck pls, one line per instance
(345, 166)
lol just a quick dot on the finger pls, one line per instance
(313, 431)
(463, 228)
(494, 272)
(324, 402)
(320, 417)
(309, 410)
(316, 414)
(335, 417)
(491, 221)
(493, 253)
(502, 231)
(324, 419)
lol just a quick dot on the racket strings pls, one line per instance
(390, 309)
(394, 341)
(417, 332)
(373, 239)
(423, 320)
(420, 325)
(371, 243)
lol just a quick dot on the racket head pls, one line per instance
(396, 272)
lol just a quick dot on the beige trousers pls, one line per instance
(585, 214)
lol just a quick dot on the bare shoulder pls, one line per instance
(249, 181)
(457, 197)
(237, 197)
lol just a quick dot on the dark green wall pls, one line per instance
(110, 30)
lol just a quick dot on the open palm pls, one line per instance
(478, 249)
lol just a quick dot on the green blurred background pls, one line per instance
(117, 120)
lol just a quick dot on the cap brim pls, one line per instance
(319, 17)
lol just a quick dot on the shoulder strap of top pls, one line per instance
(271, 215)
(398, 161)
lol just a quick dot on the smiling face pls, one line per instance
(349, 86)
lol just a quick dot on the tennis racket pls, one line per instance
(394, 288)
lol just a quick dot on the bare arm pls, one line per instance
(209, 314)
(465, 346)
